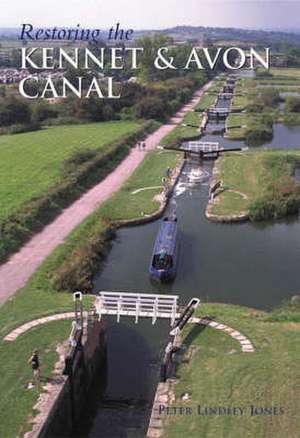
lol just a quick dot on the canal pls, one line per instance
(121, 400)
(248, 264)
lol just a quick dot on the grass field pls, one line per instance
(126, 205)
(284, 72)
(244, 88)
(206, 101)
(253, 123)
(240, 172)
(17, 401)
(252, 173)
(122, 205)
(39, 298)
(180, 133)
(193, 118)
(230, 203)
(239, 101)
(219, 374)
(235, 119)
(237, 125)
(279, 86)
(283, 79)
(217, 85)
(30, 163)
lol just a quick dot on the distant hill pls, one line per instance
(233, 34)
(183, 33)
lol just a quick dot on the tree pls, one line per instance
(151, 45)
(42, 110)
(90, 109)
(151, 107)
(293, 104)
(14, 110)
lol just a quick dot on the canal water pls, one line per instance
(121, 400)
(284, 137)
(249, 264)
(254, 265)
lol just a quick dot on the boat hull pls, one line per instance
(166, 245)
(163, 275)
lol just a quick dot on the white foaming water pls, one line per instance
(190, 178)
(180, 188)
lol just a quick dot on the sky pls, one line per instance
(154, 14)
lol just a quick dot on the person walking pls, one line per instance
(169, 172)
(34, 361)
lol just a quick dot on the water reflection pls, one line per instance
(284, 137)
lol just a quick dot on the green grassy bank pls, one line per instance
(80, 255)
(259, 96)
(33, 162)
(260, 111)
(17, 401)
(265, 178)
(43, 172)
(216, 373)
(190, 127)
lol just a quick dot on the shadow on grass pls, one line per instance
(195, 332)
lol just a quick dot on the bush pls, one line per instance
(270, 97)
(62, 120)
(255, 107)
(282, 198)
(42, 110)
(151, 108)
(90, 110)
(14, 111)
(128, 114)
(268, 208)
(20, 128)
(264, 100)
(288, 311)
(293, 104)
(174, 106)
(76, 271)
(258, 134)
(291, 119)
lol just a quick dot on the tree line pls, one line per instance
(152, 94)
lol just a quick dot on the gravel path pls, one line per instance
(245, 343)
(17, 270)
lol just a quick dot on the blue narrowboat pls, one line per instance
(164, 256)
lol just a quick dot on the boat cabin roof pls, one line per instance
(166, 238)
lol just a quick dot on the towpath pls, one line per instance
(17, 270)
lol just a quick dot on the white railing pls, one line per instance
(217, 110)
(226, 95)
(137, 305)
(200, 146)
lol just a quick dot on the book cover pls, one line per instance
(149, 219)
